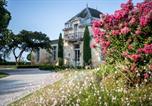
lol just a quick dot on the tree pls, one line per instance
(86, 47)
(60, 50)
(5, 40)
(28, 41)
(5, 17)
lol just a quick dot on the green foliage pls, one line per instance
(51, 68)
(3, 74)
(5, 16)
(28, 41)
(14, 63)
(86, 47)
(104, 70)
(5, 40)
(28, 66)
(28, 57)
(60, 50)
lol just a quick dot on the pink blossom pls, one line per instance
(133, 67)
(125, 54)
(93, 45)
(143, 21)
(146, 75)
(125, 30)
(96, 23)
(101, 33)
(138, 31)
(132, 21)
(130, 47)
(134, 57)
(115, 32)
(119, 14)
(96, 31)
(140, 50)
(148, 49)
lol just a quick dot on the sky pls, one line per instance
(49, 16)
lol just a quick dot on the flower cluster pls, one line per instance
(126, 35)
(147, 49)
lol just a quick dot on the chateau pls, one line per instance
(73, 42)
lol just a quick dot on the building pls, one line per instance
(73, 36)
(73, 41)
(41, 56)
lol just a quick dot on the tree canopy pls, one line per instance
(28, 41)
(5, 16)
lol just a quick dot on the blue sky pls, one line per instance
(49, 16)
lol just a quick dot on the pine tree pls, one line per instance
(60, 50)
(86, 47)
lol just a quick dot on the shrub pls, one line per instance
(27, 66)
(51, 67)
(126, 37)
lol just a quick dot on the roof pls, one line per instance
(54, 41)
(87, 12)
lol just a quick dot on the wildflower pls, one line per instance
(146, 75)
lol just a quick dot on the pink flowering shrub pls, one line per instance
(126, 36)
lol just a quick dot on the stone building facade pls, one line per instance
(73, 41)
(73, 37)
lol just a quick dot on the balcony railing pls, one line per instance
(68, 28)
(77, 36)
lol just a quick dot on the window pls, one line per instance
(77, 54)
(37, 55)
(75, 27)
(54, 52)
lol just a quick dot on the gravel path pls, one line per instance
(21, 82)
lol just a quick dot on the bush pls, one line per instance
(104, 70)
(126, 37)
(14, 63)
(27, 66)
(51, 67)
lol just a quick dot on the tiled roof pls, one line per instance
(54, 41)
(87, 12)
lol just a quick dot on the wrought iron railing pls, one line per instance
(74, 36)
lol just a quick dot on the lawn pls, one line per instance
(8, 67)
(89, 88)
(3, 75)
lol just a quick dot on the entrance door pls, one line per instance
(77, 55)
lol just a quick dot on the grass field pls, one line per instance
(3, 75)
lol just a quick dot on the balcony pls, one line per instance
(67, 29)
(73, 37)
